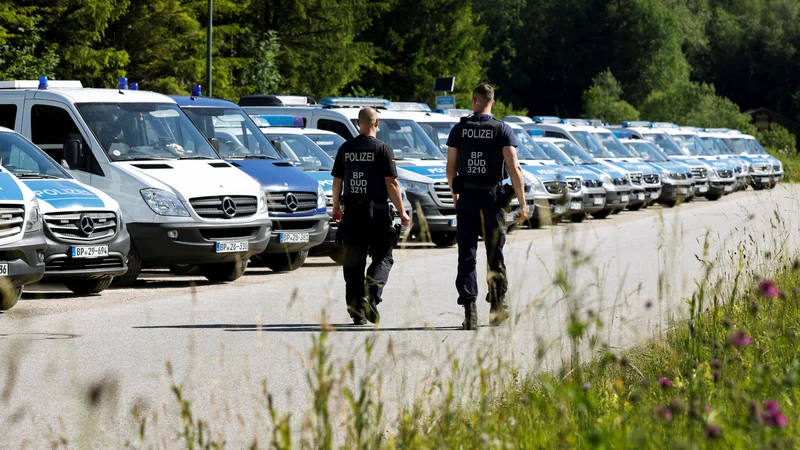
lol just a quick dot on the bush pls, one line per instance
(602, 100)
(778, 139)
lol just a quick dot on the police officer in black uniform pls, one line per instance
(481, 153)
(365, 174)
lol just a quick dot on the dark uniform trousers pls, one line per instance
(479, 211)
(367, 232)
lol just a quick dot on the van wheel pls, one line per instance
(337, 255)
(578, 218)
(444, 239)
(134, 268)
(636, 207)
(88, 286)
(670, 203)
(184, 269)
(9, 297)
(602, 214)
(283, 262)
(223, 272)
(713, 197)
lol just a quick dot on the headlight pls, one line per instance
(321, 199)
(34, 222)
(263, 205)
(606, 178)
(416, 187)
(536, 184)
(164, 203)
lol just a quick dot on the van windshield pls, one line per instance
(577, 154)
(555, 153)
(438, 132)
(25, 160)
(237, 135)
(328, 142)
(302, 150)
(664, 142)
(142, 131)
(406, 139)
(590, 144)
(691, 145)
(611, 144)
(648, 151)
(527, 148)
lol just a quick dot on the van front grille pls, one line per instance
(12, 219)
(224, 207)
(82, 226)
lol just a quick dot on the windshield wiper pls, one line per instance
(195, 157)
(144, 158)
(36, 175)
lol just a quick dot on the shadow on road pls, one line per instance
(295, 327)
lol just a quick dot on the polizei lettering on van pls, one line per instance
(482, 133)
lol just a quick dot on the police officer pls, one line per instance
(481, 152)
(365, 174)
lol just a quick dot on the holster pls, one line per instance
(505, 193)
(458, 184)
(394, 235)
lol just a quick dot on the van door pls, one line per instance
(11, 111)
(50, 125)
(333, 124)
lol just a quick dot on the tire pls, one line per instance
(444, 239)
(577, 218)
(337, 255)
(10, 297)
(602, 214)
(185, 269)
(223, 272)
(671, 203)
(636, 207)
(713, 197)
(88, 286)
(282, 262)
(134, 268)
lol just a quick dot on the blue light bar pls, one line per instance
(409, 106)
(276, 120)
(134, 86)
(577, 122)
(622, 134)
(663, 125)
(717, 130)
(197, 91)
(536, 132)
(354, 102)
(547, 119)
(636, 123)
(123, 84)
(43, 82)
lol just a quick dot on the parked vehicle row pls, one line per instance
(97, 184)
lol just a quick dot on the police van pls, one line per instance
(720, 151)
(22, 241)
(677, 183)
(420, 164)
(87, 243)
(181, 203)
(296, 201)
(764, 171)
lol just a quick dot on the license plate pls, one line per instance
(511, 217)
(453, 223)
(598, 200)
(683, 191)
(728, 188)
(230, 247)
(640, 196)
(293, 238)
(702, 188)
(765, 180)
(89, 251)
(575, 205)
(624, 198)
(396, 221)
(653, 195)
(559, 209)
(3, 269)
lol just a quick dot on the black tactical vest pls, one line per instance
(362, 170)
(480, 154)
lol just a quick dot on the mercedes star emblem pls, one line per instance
(291, 202)
(87, 225)
(228, 207)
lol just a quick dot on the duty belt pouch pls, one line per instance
(458, 184)
(505, 193)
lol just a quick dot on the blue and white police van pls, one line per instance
(296, 201)
(181, 203)
(721, 151)
(677, 182)
(22, 241)
(87, 243)
(420, 164)
(764, 170)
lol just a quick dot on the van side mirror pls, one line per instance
(73, 153)
(214, 143)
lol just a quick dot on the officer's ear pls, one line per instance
(377, 122)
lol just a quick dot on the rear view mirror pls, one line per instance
(214, 143)
(73, 153)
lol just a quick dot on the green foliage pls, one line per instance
(502, 109)
(602, 100)
(20, 36)
(777, 139)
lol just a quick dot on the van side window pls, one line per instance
(51, 127)
(335, 126)
(8, 116)
(554, 134)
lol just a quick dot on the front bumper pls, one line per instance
(676, 189)
(617, 197)
(701, 187)
(196, 242)
(764, 179)
(436, 217)
(316, 226)
(638, 195)
(61, 265)
(594, 199)
(22, 258)
(721, 186)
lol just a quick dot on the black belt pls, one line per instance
(364, 201)
(481, 186)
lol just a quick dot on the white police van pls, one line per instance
(181, 203)
(22, 242)
(421, 166)
(87, 243)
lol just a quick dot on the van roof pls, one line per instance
(427, 117)
(92, 95)
(186, 101)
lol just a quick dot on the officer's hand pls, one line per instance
(522, 213)
(405, 219)
(337, 214)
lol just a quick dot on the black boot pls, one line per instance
(371, 311)
(498, 312)
(357, 313)
(470, 316)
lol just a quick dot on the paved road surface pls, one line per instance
(221, 341)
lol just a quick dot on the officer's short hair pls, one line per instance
(367, 116)
(484, 92)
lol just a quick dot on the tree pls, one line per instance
(602, 100)
(22, 53)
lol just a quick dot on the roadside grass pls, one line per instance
(791, 166)
(728, 377)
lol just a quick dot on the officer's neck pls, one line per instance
(484, 112)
